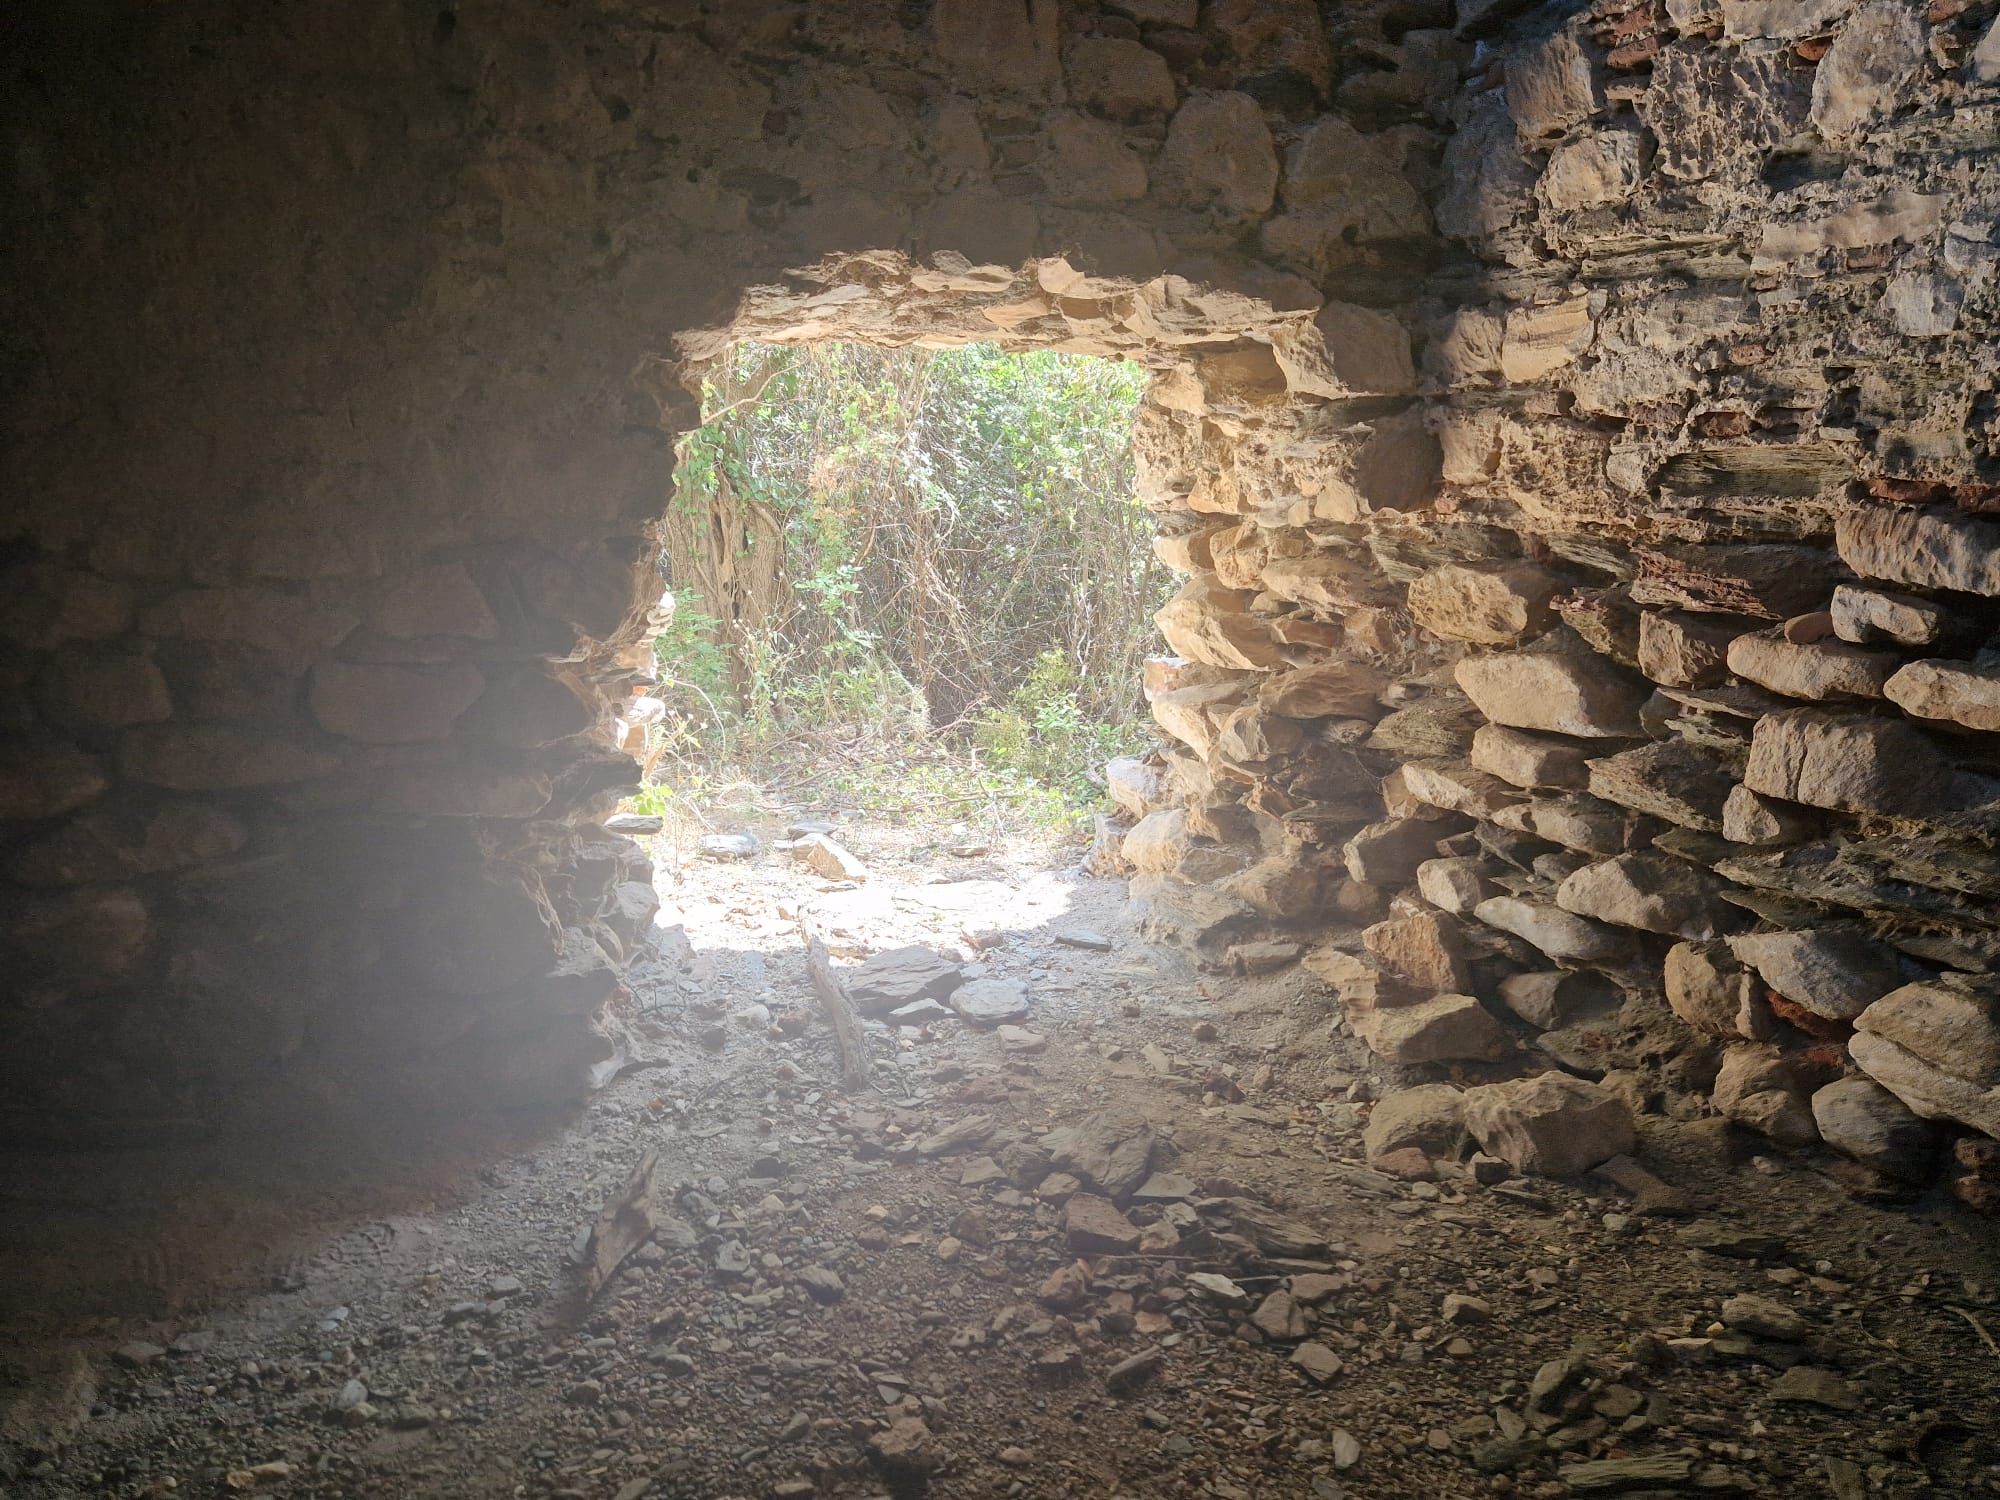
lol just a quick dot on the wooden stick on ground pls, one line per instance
(839, 1014)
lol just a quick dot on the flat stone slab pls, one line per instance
(991, 1002)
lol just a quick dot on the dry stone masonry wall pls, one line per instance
(1573, 423)
(332, 481)
(1666, 694)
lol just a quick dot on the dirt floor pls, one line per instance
(876, 1294)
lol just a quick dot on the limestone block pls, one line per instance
(1346, 350)
(438, 600)
(1686, 650)
(1668, 779)
(1551, 1125)
(1333, 689)
(478, 931)
(1955, 691)
(1448, 1028)
(1137, 786)
(1930, 549)
(1553, 998)
(1652, 892)
(1869, 70)
(73, 942)
(1219, 155)
(43, 605)
(87, 687)
(125, 841)
(1707, 987)
(1781, 20)
(1422, 947)
(1538, 341)
(1455, 884)
(275, 620)
(1208, 623)
(1815, 670)
(1489, 604)
(1252, 743)
(1926, 1088)
(1429, 1118)
(526, 709)
(217, 758)
(1603, 167)
(1770, 580)
(1832, 972)
(385, 704)
(1764, 822)
(1012, 46)
(1089, 162)
(1576, 821)
(1869, 617)
(1561, 935)
(1861, 1119)
(1551, 85)
(1561, 693)
(46, 780)
(1119, 78)
(1456, 787)
(1755, 1087)
(1923, 304)
(1388, 853)
(1274, 36)
(1288, 884)
(1529, 760)
(1848, 764)
(1158, 842)
(1900, 214)
(1952, 1023)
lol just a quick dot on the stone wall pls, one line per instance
(1681, 678)
(341, 403)
(1574, 424)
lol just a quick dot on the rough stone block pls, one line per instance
(1119, 78)
(1957, 692)
(1219, 155)
(1755, 1087)
(1530, 760)
(1861, 765)
(1686, 650)
(1447, 1028)
(1668, 779)
(1561, 935)
(1952, 1023)
(1489, 604)
(1832, 972)
(1652, 892)
(1551, 1125)
(1816, 670)
(381, 703)
(1928, 549)
(217, 758)
(1861, 1119)
(1561, 693)
(1867, 617)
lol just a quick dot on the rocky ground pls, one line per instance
(1125, 1244)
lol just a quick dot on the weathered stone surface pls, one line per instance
(1755, 1087)
(1219, 155)
(1847, 764)
(1576, 820)
(1456, 884)
(438, 600)
(1012, 45)
(1530, 760)
(480, 932)
(1553, 998)
(1818, 671)
(1930, 549)
(1560, 934)
(73, 942)
(1763, 822)
(1388, 853)
(88, 687)
(1422, 947)
(1119, 78)
(217, 758)
(124, 842)
(276, 620)
(1491, 604)
(1537, 341)
(1106, 1152)
(1926, 1088)
(1861, 1119)
(1685, 650)
(1954, 691)
(1868, 617)
(1952, 1023)
(1093, 1226)
(1334, 689)
(1208, 623)
(1831, 972)
(1707, 987)
(1769, 580)
(1551, 1125)
(1583, 696)
(1669, 779)
(896, 977)
(1137, 786)
(46, 780)
(385, 704)
(1604, 167)
(1551, 86)
(1446, 1028)
(1456, 787)
(1868, 71)
(1652, 892)
(1349, 351)
(1429, 1117)
(991, 1002)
